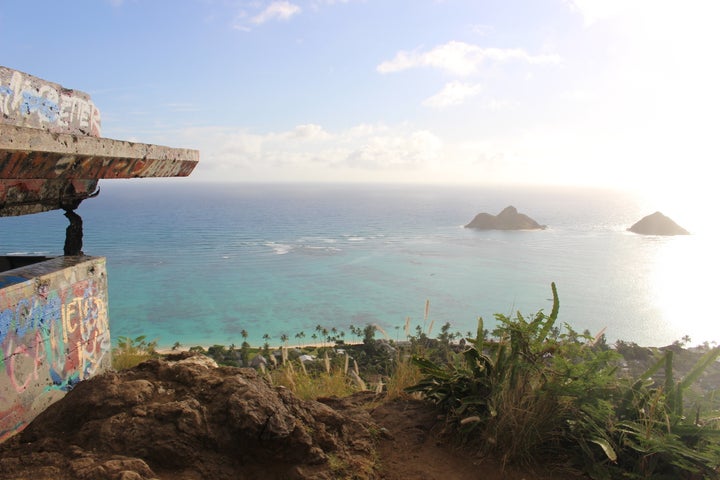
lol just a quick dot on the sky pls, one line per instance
(621, 93)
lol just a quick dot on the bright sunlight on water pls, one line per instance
(687, 303)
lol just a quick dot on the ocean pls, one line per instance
(199, 263)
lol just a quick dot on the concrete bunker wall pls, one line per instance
(53, 312)
(53, 333)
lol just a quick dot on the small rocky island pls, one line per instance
(508, 219)
(657, 224)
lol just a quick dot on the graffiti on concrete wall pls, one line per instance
(42, 104)
(50, 339)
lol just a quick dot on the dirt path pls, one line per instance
(411, 449)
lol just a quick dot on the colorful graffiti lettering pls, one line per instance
(50, 339)
(43, 103)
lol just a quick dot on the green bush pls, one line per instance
(535, 392)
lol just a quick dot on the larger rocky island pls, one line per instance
(657, 224)
(508, 219)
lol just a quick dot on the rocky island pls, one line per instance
(657, 224)
(508, 219)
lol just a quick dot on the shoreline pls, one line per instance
(184, 348)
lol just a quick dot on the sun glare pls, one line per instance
(683, 286)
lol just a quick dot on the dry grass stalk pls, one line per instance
(427, 312)
(359, 383)
(380, 329)
(379, 387)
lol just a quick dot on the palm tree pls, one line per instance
(266, 345)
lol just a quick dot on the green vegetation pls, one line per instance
(332, 380)
(534, 393)
(132, 351)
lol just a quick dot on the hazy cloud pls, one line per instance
(232, 153)
(460, 58)
(395, 151)
(453, 93)
(182, 107)
(482, 30)
(596, 10)
(281, 10)
(309, 132)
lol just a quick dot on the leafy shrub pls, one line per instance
(536, 392)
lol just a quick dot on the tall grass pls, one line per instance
(341, 376)
(333, 380)
(405, 375)
(130, 352)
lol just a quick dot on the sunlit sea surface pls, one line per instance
(198, 263)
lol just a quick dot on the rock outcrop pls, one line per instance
(657, 224)
(508, 219)
(186, 419)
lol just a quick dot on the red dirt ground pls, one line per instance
(411, 449)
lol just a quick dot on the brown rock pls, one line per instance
(508, 219)
(657, 224)
(187, 420)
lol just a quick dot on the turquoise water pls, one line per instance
(199, 263)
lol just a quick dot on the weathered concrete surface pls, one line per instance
(30, 101)
(51, 156)
(12, 262)
(53, 333)
(23, 197)
(53, 314)
(27, 153)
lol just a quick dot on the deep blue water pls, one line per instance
(198, 263)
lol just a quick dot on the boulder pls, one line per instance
(508, 219)
(657, 224)
(188, 420)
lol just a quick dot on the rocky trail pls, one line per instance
(187, 419)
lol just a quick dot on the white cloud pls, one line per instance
(311, 153)
(281, 10)
(460, 58)
(308, 132)
(453, 93)
(395, 151)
